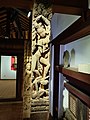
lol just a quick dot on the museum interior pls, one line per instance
(44, 60)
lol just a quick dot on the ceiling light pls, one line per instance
(29, 13)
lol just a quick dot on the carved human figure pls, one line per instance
(27, 76)
(40, 49)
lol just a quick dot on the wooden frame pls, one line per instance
(83, 97)
(7, 48)
(76, 81)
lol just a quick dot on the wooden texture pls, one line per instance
(83, 97)
(56, 82)
(74, 74)
(66, 10)
(11, 110)
(75, 7)
(25, 4)
(11, 47)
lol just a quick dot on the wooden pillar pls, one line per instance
(8, 24)
(0, 66)
(40, 66)
(19, 81)
(56, 82)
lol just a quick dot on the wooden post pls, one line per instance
(19, 82)
(56, 82)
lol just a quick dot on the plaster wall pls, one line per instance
(82, 48)
(6, 72)
(60, 22)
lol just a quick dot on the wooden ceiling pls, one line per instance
(74, 7)
(60, 6)
(14, 22)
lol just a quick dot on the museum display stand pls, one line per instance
(77, 83)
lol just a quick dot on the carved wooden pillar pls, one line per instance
(41, 17)
(36, 64)
(27, 80)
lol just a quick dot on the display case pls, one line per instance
(78, 83)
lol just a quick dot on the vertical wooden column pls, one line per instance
(20, 61)
(8, 23)
(84, 9)
(27, 80)
(0, 66)
(56, 82)
(27, 77)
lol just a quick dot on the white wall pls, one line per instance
(82, 50)
(6, 72)
(60, 22)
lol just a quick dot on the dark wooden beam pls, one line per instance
(11, 41)
(74, 74)
(2, 14)
(82, 86)
(74, 3)
(9, 51)
(75, 7)
(55, 82)
(11, 46)
(17, 24)
(66, 10)
(11, 99)
(0, 67)
(19, 82)
(8, 24)
(83, 97)
(25, 4)
(22, 16)
(79, 80)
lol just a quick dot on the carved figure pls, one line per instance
(41, 50)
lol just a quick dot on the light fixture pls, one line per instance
(29, 13)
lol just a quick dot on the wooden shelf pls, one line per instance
(82, 77)
(83, 97)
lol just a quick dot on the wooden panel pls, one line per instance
(26, 4)
(11, 110)
(19, 85)
(74, 74)
(75, 7)
(82, 86)
(11, 46)
(66, 10)
(55, 82)
(83, 97)
(77, 3)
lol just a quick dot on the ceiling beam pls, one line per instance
(25, 4)
(73, 7)
(73, 3)
(66, 10)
